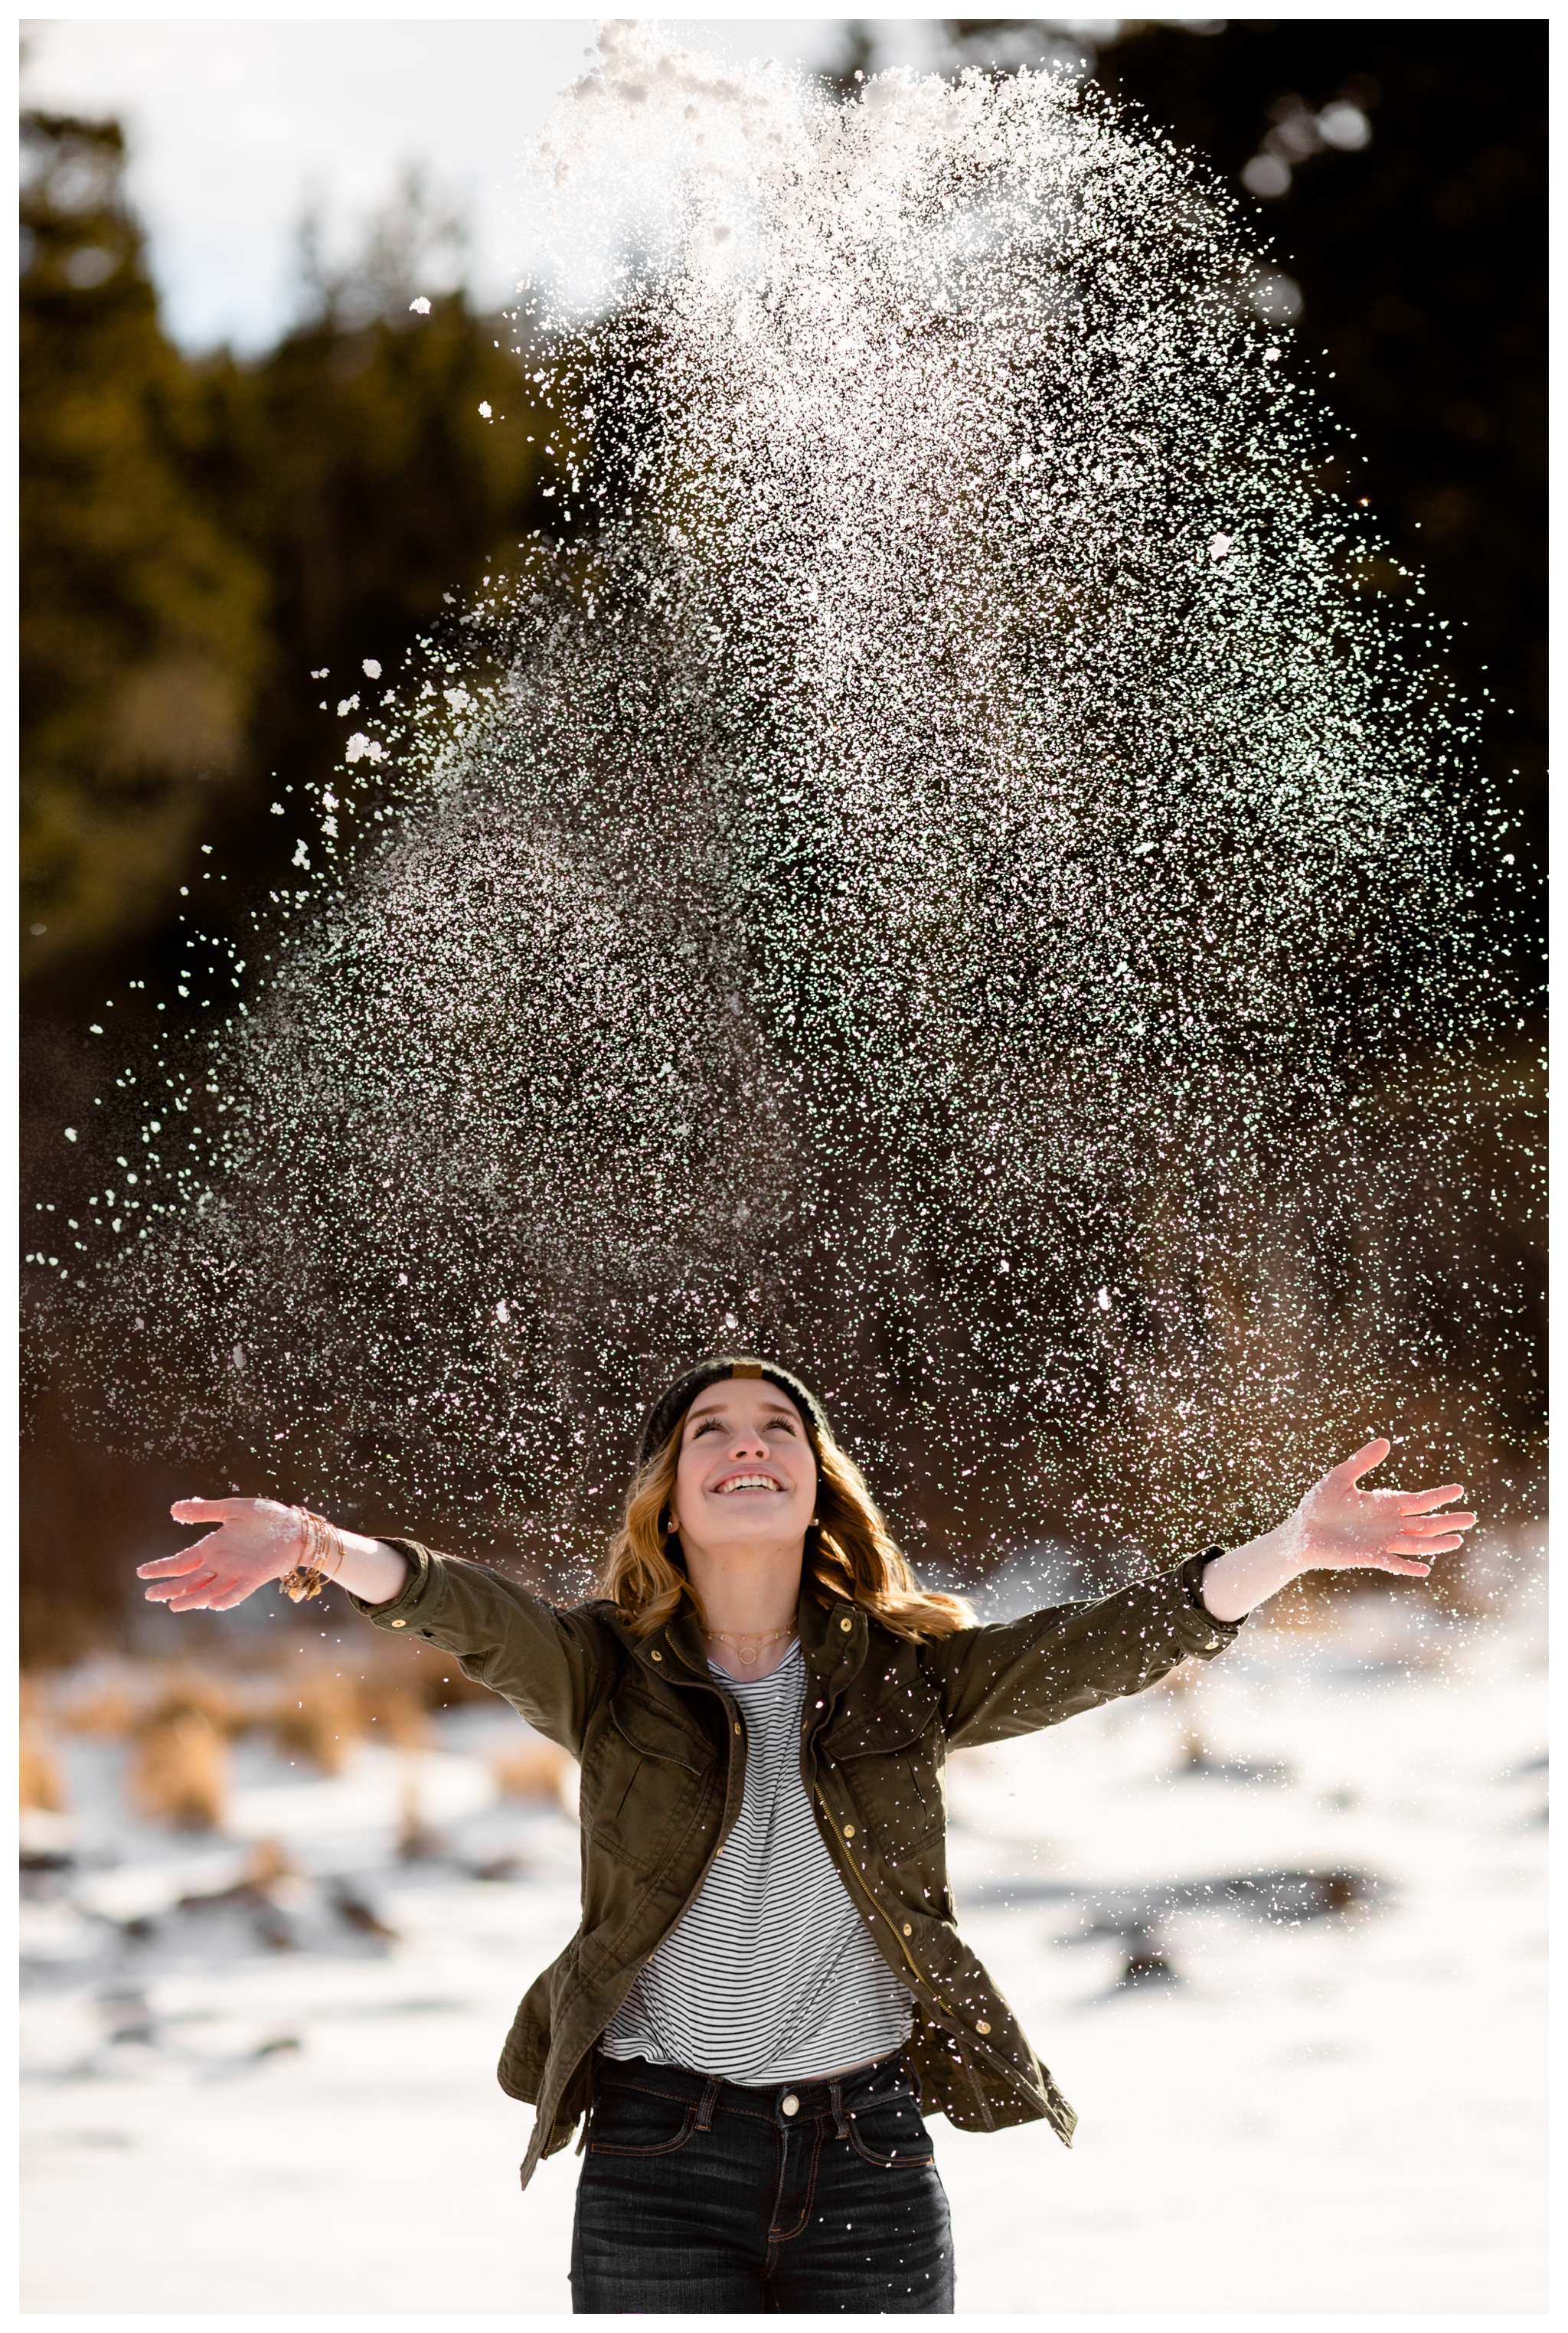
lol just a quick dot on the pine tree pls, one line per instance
(141, 635)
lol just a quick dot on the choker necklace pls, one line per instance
(749, 1648)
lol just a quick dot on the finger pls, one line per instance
(176, 1593)
(1414, 1502)
(1423, 1546)
(1414, 1525)
(194, 1596)
(1389, 1562)
(181, 1584)
(1370, 1453)
(227, 1598)
(204, 1511)
(184, 1559)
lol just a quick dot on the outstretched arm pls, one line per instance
(255, 1541)
(1338, 1526)
(553, 1667)
(1016, 1675)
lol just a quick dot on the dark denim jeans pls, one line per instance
(699, 2197)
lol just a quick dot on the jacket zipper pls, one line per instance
(567, 2078)
(971, 2041)
(892, 1923)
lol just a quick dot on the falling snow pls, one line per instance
(948, 878)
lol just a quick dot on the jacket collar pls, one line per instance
(682, 1636)
(834, 1640)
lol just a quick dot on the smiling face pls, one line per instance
(746, 1477)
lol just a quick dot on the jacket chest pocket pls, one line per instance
(889, 1762)
(642, 1776)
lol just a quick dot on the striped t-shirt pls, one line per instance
(770, 1976)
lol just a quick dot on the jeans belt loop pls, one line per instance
(709, 2101)
(836, 2100)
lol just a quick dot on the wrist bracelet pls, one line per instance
(322, 1544)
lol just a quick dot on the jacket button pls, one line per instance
(849, 1831)
(738, 1726)
(981, 2026)
(790, 2106)
(846, 1626)
(400, 1624)
(656, 1656)
(907, 1930)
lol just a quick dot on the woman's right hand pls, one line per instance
(255, 1541)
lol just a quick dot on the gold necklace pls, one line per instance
(749, 1648)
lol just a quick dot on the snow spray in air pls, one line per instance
(910, 891)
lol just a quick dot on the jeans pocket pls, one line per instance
(640, 2122)
(890, 2133)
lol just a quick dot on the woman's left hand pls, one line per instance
(1338, 1526)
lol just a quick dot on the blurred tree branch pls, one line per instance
(414, 245)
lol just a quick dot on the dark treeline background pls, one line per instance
(213, 545)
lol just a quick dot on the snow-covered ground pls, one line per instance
(1309, 2110)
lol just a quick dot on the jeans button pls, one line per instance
(790, 2106)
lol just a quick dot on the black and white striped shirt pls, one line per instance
(770, 1975)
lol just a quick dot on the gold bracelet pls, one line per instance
(322, 1541)
(330, 1542)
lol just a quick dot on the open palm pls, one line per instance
(1339, 1525)
(255, 1541)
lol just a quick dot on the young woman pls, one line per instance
(768, 1985)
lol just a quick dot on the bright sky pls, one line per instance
(237, 126)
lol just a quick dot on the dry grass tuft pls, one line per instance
(392, 1711)
(318, 1713)
(267, 1865)
(42, 1783)
(179, 1770)
(108, 1711)
(416, 1840)
(178, 1719)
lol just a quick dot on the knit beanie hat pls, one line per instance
(677, 1398)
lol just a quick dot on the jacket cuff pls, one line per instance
(420, 1594)
(1195, 1623)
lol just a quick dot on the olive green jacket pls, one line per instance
(663, 1748)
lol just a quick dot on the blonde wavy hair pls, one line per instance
(850, 1553)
